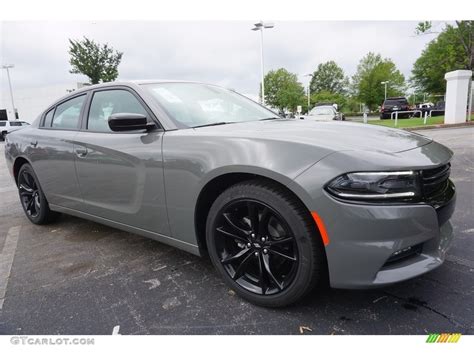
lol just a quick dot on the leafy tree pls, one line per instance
(371, 72)
(98, 62)
(453, 49)
(329, 77)
(327, 97)
(282, 90)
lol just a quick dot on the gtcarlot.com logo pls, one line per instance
(443, 338)
(30, 340)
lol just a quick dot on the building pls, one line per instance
(30, 102)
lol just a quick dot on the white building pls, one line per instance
(30, 102)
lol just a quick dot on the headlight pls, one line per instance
(371, 186)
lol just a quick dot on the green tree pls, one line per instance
(371, 72)
(98, 62)
(327, 97)
(453, 49)
(329, 77)
(282, 90)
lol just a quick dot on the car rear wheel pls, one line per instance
(264, 243)
(32, 198)
(3, 136)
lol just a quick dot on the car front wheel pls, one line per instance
(264, 243)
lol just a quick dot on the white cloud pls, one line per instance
(225, 53)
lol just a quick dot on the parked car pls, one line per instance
(438, 109)
(324, 113)
(393, 104)
(10, 126)
(278, 204)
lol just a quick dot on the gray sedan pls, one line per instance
(279, 205)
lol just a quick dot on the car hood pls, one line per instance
(333, 135)
(318, 117)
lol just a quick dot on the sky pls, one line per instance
(223, 53)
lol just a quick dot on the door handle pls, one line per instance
(34, 144)
(81, 152)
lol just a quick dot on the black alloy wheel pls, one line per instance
(265, 244)
(256, 247)
(29, 194)
(32, 198)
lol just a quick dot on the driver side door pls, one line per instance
(120, 174)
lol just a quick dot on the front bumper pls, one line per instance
(363, 238)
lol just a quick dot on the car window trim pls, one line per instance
(85, 117)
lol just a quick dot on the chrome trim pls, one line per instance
(394, 195)
(410, 172)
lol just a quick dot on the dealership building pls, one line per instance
(30, 102)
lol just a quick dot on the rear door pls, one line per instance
(52, 152)
(121, 173)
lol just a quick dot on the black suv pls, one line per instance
(392, 104)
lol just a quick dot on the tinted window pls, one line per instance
(67, 114)
(396, 102)
(48, 118)
(3, 124)
(15, 124)
(106, 103)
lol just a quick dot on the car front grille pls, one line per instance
(434, 181)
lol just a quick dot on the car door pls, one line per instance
(121, 173)
(52, 152)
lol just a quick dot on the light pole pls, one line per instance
(309, 90)
(7, 67)
(385, 83)
(260, 27)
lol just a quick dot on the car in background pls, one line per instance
(324, 113)
(393, 104)
(10, 126)
(438, 109)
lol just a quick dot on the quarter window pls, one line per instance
(48, 118)
(106, 103)
(67, 114)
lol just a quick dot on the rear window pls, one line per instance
(3, 124)
(396, 102)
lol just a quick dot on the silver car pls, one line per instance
(324, 113)
(279, 205)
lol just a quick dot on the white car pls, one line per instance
(324, 113)
(10, 126)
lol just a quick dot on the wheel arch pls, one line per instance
(17, 164)
(220, 181)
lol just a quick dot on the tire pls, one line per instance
(3, 136)
(34, 202)
(289, 232)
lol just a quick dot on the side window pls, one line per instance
(48, 118)
(3, 124)
(67, 114)
(106, 103)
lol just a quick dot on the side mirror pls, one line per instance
(120, 122)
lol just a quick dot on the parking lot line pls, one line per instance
(6, 260)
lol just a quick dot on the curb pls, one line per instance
(439, 126)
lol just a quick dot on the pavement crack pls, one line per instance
(418, 303)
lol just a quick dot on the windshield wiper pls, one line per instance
(210, 124)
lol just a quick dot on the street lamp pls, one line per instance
(309, 90)
(7, 67)
(385, 83)
(260, 27)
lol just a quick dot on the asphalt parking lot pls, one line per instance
(79, 277)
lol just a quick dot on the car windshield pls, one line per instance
(193, 104)
(321, 111)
